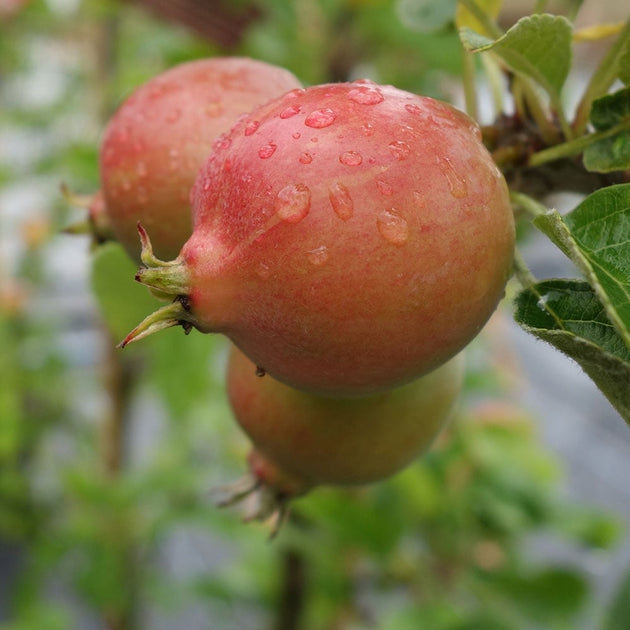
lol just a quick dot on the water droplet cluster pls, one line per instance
(354, 139)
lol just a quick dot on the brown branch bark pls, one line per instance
(293, 591)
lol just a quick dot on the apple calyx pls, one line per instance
(260, 502)
(166, 280)
(266, 490)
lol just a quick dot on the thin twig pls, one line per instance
(293, 590)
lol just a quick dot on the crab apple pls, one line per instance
(347, 237)
(302, 440)
(158, 138)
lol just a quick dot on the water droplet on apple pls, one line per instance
(341, 201)
(351, 158)
(251, 127)
(293, 203)
(456, 183)
(222, 143)
(320, 118)
(384, 188)
(293, 93)
(393, 227)
(267, 150)
(366, 95)
(445, 115)
(306, 158)
(419, 199)
(290, 111)
(367, 129)
(318, 256)
(296, 136)
(413, 109)
(476, 131)
(399, 149)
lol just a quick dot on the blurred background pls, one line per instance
(518, 516)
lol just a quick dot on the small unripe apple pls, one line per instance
(327, 440)
(302, 440)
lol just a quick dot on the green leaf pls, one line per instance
(544, 596)
(537, 46)
(187, 369)
(610, 110)
(596, 237)
(619, 611)
(39, 616)
(568, 315)
(589, 527)
(611, 153)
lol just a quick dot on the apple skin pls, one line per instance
(355, 255)
(302, 440)
(160, 135)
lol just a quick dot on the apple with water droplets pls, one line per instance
(348, 238)
(156, 141)
(300, 440)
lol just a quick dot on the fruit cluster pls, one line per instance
(350, 239)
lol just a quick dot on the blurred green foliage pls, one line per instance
(105, 459)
